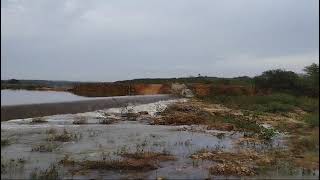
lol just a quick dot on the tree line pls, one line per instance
(290, 82)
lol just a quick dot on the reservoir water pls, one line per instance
(16, 97)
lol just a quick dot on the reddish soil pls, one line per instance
(117, 89)
(101, 89)
(207, 89)
(113, 89)
(147, 89)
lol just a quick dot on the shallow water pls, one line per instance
(95, 140)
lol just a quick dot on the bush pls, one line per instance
(277, 79)
(267, 133)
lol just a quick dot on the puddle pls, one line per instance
(93, 140)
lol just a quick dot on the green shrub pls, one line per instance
(273, 103)
(312, 119)
(308, 104)
(267, 133)
(275, 107)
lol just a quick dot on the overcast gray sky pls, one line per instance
(112, 40)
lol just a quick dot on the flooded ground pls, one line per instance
(37, 145)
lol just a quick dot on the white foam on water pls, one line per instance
(67, 119)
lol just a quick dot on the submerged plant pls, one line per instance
(50, 173)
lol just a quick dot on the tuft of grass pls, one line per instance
(105, 121)
(80, 120)
(249, 126)
(50, 173)
(228, 169)
(308, 143)
(65, 136)
(118, 164)
(11, 164)
(241, 123)
(51, 131)
(139, 161)
(150, 155)
(44, 147)
(267, 133)
(5, 142)
(182, 114)
(67, 161)
(38, 120)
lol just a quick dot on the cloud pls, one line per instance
(112, 40)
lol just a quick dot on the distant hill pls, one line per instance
(65, 85)
(244, 80)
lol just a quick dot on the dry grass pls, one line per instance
(139, 161)
(306, 149)
(106, 121)
(65, 136)
(127, 164)
(221, 126)
(50, 173)
(49, 147)
(224, 157)
(150, 156)
(236, 164)
(51, 131)
(182, 114)
(228, 169)
(181, 107)
(38, 120)
(179, 118)
(80, 120)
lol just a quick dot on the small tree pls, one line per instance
(277, 79)
(311, 79)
